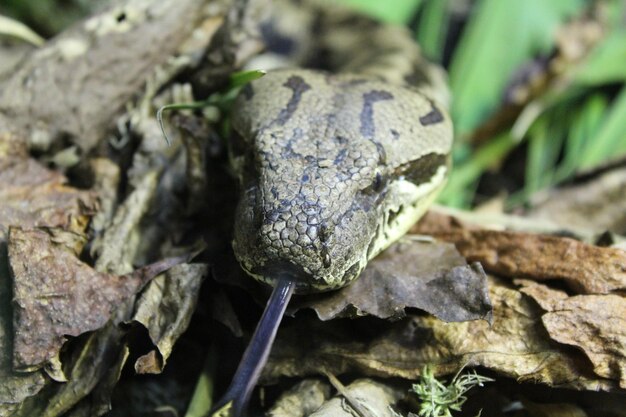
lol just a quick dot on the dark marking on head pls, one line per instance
(341, 156)
(422, 170)
(433, 117)
(382, 154)
(276, 41)
(324, 233)
(287, 152)
(393, 214)
(271, 216)
(367, 112)
(247, 91)
(394, 134)
(417, 76)
(298, 86)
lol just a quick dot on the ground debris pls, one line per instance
(57, 295)
(595, 324)
(431, 276)
(301, 400)
(373, 397)
(165, 309)
(586, 269)
(516, 345)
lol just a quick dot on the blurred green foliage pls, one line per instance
(48, 17)
(573, 125)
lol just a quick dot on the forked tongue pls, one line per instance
(256, 354)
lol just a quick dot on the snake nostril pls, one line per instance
(325, 257)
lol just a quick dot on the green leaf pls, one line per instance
(221, 100)
(500, 36)
(459, 191)
(432, 28)
(241, 78)
(545, 143)
(10, 27)
(584, 126)
(398, 11)
(606, 63)
(610, 141)
(201, 400)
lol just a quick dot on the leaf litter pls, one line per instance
(432, 277)
(56, 295)
(540, 332)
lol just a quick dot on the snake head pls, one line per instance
(333, 169)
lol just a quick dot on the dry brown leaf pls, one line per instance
(516, 345)
(372, 396)
(57, 295)
(301, 400)
(433, 277)
(165, 309)
(595, 324)
(30, 195)
(585, 268)
(33, 195)
(93, 364)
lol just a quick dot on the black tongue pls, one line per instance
(258, 350)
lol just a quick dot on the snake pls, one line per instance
(336, 155)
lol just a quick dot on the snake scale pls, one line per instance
(335, 163)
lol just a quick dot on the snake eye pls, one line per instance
(377, 185)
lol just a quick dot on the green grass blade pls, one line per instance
(500, 36)
(397, 11)
(610, 141)
(10, 27)
(241, 78)
(202, 398)
(606, 63)
(432, 28)
(585, 125)
(459, 190)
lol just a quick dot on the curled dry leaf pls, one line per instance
(95, 365)
(433, 277)
(165, 309)
(30, 195)
(585, 268)
(516, 345)
(595, 324)
(57, 295)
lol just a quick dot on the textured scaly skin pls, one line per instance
(331, 176)
(333, 166)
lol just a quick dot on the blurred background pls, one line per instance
(537, 86)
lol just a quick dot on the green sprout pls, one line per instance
(220, 99)
(438, 399)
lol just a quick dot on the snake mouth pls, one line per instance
(275, 270)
